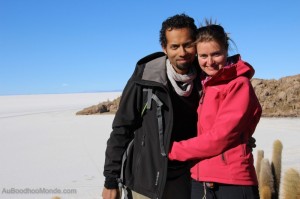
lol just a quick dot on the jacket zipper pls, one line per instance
(223, 158)
(143, 140)
(202, 97)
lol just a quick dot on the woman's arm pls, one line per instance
(233, 119)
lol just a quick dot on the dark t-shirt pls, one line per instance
(184, 121)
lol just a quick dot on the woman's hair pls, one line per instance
(212, 31)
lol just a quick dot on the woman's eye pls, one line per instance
(217, 54)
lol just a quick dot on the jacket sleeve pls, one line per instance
(125, 122)
(238, 115)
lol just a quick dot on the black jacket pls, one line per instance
(146, 168)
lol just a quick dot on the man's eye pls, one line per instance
(174, 47)
(189, 45)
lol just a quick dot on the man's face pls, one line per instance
(180, 49)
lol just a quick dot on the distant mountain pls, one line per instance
(278, 98)
(103, 107)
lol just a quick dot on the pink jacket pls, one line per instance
(227, 117)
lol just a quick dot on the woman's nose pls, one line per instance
(210, 61)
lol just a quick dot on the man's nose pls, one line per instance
(182, 51)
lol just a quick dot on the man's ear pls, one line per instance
(164, 49)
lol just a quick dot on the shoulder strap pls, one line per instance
(121, 179)
(151, 96)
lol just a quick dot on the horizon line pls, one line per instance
(60, 93)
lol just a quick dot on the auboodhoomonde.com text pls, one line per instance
(38, 191)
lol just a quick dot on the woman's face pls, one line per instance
(211, 56)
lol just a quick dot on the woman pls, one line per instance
(227, 117)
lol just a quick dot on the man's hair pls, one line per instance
(177, 22)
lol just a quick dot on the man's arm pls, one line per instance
(251, 143)
(125, 122)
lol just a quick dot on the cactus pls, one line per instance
(265, 177)
(291, 184)
(276, 166)
(265, 192)
(260, 156)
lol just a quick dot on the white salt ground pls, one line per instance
(44, 145)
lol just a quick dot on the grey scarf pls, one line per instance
(186, 79)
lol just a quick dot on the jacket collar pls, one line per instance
(236, 67)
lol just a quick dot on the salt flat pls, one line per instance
(45, 145)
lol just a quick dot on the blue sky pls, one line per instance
(70, 46)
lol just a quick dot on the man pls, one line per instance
(158, 106)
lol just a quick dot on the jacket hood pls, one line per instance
(155, 69)
(236, 67)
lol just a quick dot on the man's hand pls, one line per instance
(111, 193)
(251, 143)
